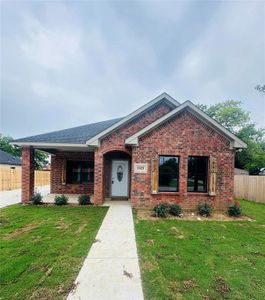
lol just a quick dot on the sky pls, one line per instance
(69, 63)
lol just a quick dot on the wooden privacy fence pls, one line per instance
(10, 178)
(250, 187)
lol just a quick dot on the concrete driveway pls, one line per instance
(14, 196)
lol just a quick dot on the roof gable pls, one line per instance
(90, 134)
(235, 142)
(95, 141)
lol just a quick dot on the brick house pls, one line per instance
(163, 151)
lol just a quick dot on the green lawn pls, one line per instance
(42, 248)
(203, 260)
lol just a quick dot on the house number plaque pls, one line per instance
(140, 168)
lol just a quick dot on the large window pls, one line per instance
(79, 172)
(197, 174)
(168, 174)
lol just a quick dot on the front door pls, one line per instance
(119, 178)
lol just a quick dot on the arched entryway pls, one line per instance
(117, 175)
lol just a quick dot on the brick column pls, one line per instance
(27, 174)
(98, 198)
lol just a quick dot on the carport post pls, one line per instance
(27, 176)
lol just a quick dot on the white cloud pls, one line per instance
(83, 62)
(226, 61)
(50, 47)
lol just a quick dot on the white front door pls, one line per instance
(119, 178)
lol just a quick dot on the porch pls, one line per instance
(102, 176)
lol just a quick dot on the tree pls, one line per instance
(40, 159)
(253, 157)
(232, 116)
(260, 88)
(7, 147)
(228, 113)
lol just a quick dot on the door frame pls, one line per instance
(128, 178)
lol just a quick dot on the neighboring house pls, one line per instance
(261, 172)
(163, 151)
(241, 172)
(8, 160)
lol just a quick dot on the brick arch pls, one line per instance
(114, 153)
(117, 149)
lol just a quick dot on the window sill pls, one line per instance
(166, 193)
(78, 183)
(198, 193)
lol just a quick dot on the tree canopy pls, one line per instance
(40, 159)
(231, 115)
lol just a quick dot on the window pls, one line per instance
(197, 174)
(168, 174)
(79, 172)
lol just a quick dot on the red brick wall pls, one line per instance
(56, 173)
(115, 141)
(184, 135)
(27, 175)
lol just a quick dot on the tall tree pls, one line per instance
(232, 116)
(40, 160)
(228, 113)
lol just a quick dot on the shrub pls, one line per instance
(60, 200)
(175, 210)
(161, 210)
(84, 200)
(205, 209)
(35, 199)
(234, 209)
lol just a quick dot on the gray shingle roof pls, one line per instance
(75, 135)
(8, 159)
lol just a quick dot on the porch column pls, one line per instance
(27, 175)
(98, 178)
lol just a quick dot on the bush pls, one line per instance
(175, 210)
(35, 199)
(234, 209)
(84, 200)
(161, 210)
(205, 209)
(60, 200)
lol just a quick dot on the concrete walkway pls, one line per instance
(14, 196)
(111, 269)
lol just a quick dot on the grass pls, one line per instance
(43, 247)
(203, 260)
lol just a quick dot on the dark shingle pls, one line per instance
(8, 159)
(75, 135)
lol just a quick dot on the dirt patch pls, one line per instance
(150, 242)
(147, 214)
(42, 294)
(62, 226)
(257, 254)
(189, 284)
(81, 228)
(220, 285)
(149, 266)
(19, 231)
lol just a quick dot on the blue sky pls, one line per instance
(69, 63)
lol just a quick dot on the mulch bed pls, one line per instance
(147, 214)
